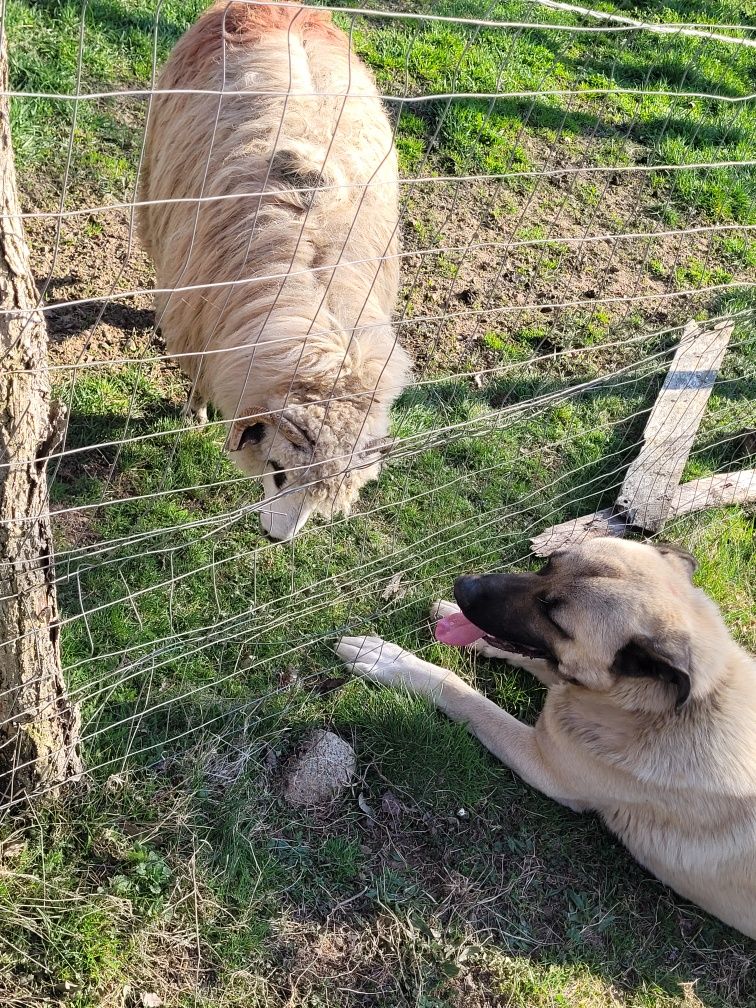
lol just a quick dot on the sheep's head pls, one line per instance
(312, 458)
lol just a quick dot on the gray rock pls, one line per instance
(324, 766)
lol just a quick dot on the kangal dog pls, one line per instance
(650, 718)
(276, 288)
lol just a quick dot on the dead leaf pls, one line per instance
(150, 1000)
(270, 759)
(11, 851)
(365, 805)
(67, 987)
(393, 589)
(331, 684)
(288, 676)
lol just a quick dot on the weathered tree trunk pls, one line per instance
(39, 733)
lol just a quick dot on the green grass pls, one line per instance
(202, 654)
(202, 722)
(462, 136)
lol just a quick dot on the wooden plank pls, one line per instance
(653, 478)
(698, 495)
(715, 491)
(606, 522)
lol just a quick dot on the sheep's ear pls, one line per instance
(251, 431)
(243, 433)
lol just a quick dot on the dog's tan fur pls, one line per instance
(308, 329)
(677, 786)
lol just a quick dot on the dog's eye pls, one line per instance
(549, 606)
(279, 476)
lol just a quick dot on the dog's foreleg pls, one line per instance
(537, 667)
(508, 739)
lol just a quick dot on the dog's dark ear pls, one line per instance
(649, 657)
(687, 560)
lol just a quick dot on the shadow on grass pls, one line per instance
(543, 114)
(64, 321)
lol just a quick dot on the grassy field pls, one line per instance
(202, 653)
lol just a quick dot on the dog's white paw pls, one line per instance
(388, 664)
(373, 658)
(440, 609)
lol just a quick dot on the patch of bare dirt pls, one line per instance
(469, 282)
(73, 528)
(95, 257)
(469, 274)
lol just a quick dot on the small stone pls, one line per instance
(288, 676)
(324, 766)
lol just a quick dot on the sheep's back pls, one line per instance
(313, 139)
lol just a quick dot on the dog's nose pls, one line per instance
(466, 589)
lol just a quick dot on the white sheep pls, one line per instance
(276, 288)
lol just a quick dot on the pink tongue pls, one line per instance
(457, 630)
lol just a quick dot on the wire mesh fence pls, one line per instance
(574, 188)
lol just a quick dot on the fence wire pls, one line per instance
(575, 187)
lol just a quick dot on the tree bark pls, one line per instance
(39, 727)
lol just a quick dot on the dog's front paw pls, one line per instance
(372, 658)
(388, 664)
